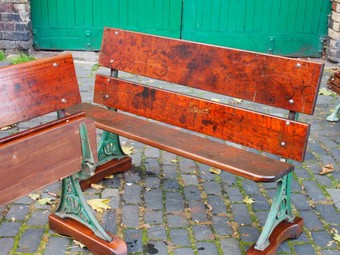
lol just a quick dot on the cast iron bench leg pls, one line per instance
(74, 218)
(334, 116)
(281, 224)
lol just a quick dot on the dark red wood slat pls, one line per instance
(277, 81)
(238, 161)
(35, 88)
(42, 157)
(257, 130)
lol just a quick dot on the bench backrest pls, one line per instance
(280, 82)
(36, 88)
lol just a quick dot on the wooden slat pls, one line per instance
(252, 129)
(334, 82)
(41, 157)
(35, 88)
(231, 159)
(256, 77)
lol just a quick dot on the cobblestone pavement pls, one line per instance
(172, 205)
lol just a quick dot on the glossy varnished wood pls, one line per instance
(257, 130)
(234, 160)
(283, 231)
(334, 82)
(41, 156)
(35, 88)
(272, 80)
(97, 246)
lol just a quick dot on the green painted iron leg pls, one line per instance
(280, 210)
(109, 148)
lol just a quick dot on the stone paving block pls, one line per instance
(302, 173)
(171, 185)
(109, 222)
(202, 232)
(151, 152)
(198, 211)
(187, 166)
(205, 174)
(249, 234)
(177, 221)
(153, 199)
(206, 248)
(313, 190)
(114, 182)
(30, 240)
(174, 202)
(180, 237)
(230, 246)
(330, 252)
(156, 233)
(311, 220)
(9, 229)
(221, 226)
(153, 217)
(300, 201)
(211, 187)
(241, 214)
(234, 194)
(250, 187)
(17, 212)
(38, 218)
(133, 239)
(189, 179)
(335, 194)
(260, 203)
(217, 204)
(167, 157)
(6, 245)
(192, 193)
(228, 178)
(133, 175)
(152, 182)
(130, 216)
(183, 251)
(303, 249)
(57, 246)
(329, 213)
(156, 247)
(132, 193)
(322, 238)
(169, 171)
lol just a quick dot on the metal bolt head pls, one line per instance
(287, 123)
(116, 33)
(291, 101)
(106, 96)
(283, 144)
(298, 65)
(111, 60)
(55, 64)
(63, 100)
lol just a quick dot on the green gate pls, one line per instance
(78, 24)
(284, 27)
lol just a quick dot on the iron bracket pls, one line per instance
(109, 148)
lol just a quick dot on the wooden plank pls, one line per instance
(287, 83)
(238, 161)
(35, 88)
(42, 157)
(252, 129)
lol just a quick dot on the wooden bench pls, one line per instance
(288, 84)
(58, 149)
(334, 85)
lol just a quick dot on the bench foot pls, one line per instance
(285, 230)
(106, 169)
(79, 232)
(334, 116)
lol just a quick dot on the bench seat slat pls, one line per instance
(234, 160)
(41, 156)
(261, 78)
(256, 130)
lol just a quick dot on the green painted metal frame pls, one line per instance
(334, 116)
(72, 202)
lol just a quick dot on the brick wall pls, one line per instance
(15, 25)
(333, 42)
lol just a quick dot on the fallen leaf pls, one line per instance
(7, 127)
(210, 208)
(174, 161)
(215, 100)
(327, 169)
(128, 150)
(99, 204)
(97, 186)
(34, 196)
(45, 201)
(215, 170)
(248, 200)
(109, 177)
(325, 92)
(336, 237)
(52, 194)
(82, 246)
(12, 219)
(237, 100)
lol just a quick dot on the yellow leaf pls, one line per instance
(82, 246)
(325, 92)
(215, 100)
(336, 237)
(174, 161)
(99, 204)
(34, 196)
(128, 150)
(327, 169)
(97, 186)
(109, 177)
(12, 219)
(248, 200)
(45, 201)
(215, 170)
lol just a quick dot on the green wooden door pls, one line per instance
(78, 24)
(283, 27)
